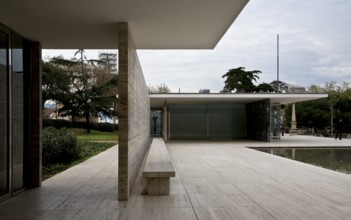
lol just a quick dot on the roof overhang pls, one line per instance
(155, 24)
(159, 100)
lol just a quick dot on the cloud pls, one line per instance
(314, 47)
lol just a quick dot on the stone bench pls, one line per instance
(158, 168)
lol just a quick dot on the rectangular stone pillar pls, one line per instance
(133, 111)
(123, 184)
(35, 114)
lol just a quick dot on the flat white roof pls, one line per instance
(155, 24)
(158, 100)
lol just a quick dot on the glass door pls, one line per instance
(156, 123)
(4, 105)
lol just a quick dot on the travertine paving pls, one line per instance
(85, 191)
(214, 180)
(225, 180)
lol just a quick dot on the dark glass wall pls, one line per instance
(4, 148)
(17, 44)
(188, 121)
(203, 121)
(20, 113)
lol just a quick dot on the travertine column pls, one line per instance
(293, 128)
(123, 184)
(35, 151)
(134, 112)
(165, 123)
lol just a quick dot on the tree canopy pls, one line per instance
(238, 80)
(81, 86)
(162, 88)
(55, 81)
(322, 113)
(280, 86)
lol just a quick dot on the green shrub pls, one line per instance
(88, 149)
(59, 145)
(106, 127)
(60, 123)
(56, 123)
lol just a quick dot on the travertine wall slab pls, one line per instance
(134, 112)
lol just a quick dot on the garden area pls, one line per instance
(66, 147)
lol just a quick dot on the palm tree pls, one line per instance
(240, 81)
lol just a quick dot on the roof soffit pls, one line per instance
(90, 24)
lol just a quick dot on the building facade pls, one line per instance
(110, 61)
(221, 116)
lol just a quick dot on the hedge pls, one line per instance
(60, 123)
(59, 145)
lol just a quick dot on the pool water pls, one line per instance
(338, 159)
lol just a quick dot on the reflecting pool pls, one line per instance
(338, 159)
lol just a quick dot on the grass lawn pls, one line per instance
(90, 144)
(96, 135)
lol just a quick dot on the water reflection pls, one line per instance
(338, 159)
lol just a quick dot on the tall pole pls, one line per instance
(277, 63)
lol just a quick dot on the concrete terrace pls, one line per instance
(214, 180)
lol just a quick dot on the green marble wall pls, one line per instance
(258, 120)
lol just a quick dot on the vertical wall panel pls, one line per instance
(258, 120)
(134, 112)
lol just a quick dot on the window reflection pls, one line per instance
(4, 188)
(18, 112)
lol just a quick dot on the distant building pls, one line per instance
(204, 91)
(297, 89)
(110, 60)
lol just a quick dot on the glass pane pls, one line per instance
(227, 121)
(208, 121)
(275, 122)
(156, 123)
(220, 121)
(188, 121)
(17, 111)
(4, 187)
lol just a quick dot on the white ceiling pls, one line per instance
(158, 100)
(91, 24)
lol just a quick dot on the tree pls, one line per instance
(315, 89)
(321, 113)
(336, 96)
(89, 92)
(240, 81)
(280, 86)
(264, 87)
(55, 82)
(312, 114)
(162, 88)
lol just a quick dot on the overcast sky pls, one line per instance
(314, 39)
